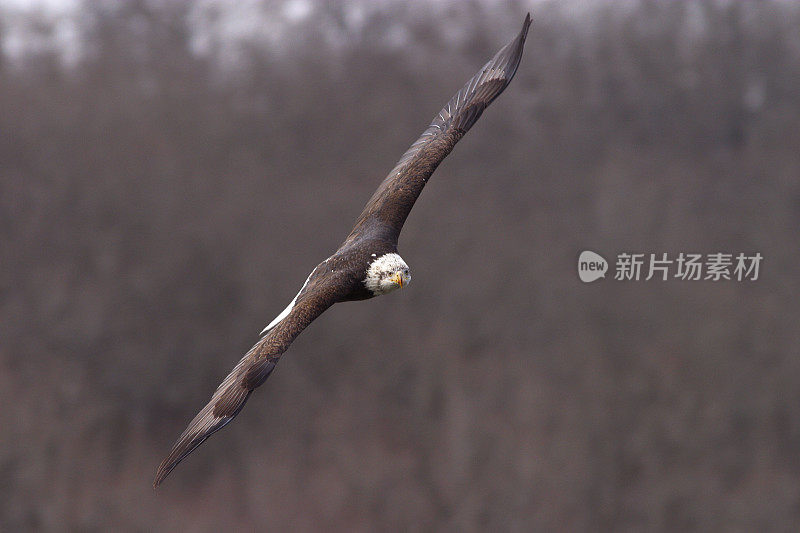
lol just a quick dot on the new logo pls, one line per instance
(591, 266)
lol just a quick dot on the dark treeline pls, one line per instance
(160, 203)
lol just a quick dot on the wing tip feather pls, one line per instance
(214, 416)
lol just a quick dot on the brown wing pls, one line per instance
(251, 371)
(388, 208)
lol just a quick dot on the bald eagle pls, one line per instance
(367, 263)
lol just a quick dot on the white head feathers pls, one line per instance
(387, 273)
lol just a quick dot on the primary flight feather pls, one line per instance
(367, 263)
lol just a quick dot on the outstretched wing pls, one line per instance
(388, 208)
(251, 371)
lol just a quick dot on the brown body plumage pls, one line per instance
(342, 276)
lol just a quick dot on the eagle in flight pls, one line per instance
(367, 263)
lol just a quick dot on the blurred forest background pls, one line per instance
(171, 171)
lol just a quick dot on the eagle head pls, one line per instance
(387, 273)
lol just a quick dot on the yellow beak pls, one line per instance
(398, 279)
